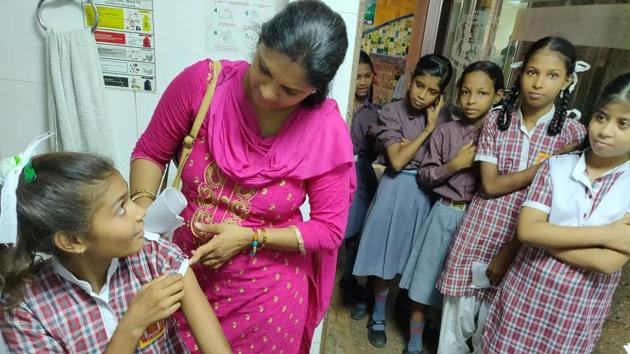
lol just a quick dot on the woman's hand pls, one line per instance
(228, 240)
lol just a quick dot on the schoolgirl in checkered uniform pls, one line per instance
(106, 289)
(448, 168)
(575, 227)
(531, 126)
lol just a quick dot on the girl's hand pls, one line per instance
(227, 242)
(567, 148)
(465, 157)
(156, 300)
(620, 231)
(433, 112)
(499, 266)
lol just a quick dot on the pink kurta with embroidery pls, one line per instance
(273, 301)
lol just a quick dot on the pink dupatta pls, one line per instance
(312, 142)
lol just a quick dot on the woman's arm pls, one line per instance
(144, 175)
(592, 259)
(495, 185)
(201, 318)
(171, 121)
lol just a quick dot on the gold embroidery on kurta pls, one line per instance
(210, 196)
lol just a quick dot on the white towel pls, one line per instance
(76, 106)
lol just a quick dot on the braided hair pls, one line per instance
(569, 56)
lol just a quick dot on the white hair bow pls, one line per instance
(10, 170)
(580, 66)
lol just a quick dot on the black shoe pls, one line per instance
(378, 339)
(358, 310)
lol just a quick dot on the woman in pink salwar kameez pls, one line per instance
(270, 139)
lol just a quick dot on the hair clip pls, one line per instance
(29, 172)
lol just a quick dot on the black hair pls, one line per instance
(569, 56)
(435, 65)
(364, 58)
(618, 90)
(309, 32)
(59, 200)
(491, 69)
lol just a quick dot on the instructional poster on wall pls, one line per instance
(234, 26)
(125, 42)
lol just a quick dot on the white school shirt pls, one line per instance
(575, 201)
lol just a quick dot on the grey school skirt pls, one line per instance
(428, 254)
(396, 215)
(366, 187)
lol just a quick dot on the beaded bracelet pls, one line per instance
(254, 243)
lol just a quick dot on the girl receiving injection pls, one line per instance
(105, 289)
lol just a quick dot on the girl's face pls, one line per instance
(423, 91)
(117, 228)
(364, 80)
(477, 95)
(276, 82)
(609, 130)
(543, 78)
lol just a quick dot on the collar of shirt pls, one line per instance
(366, 104)
(470, 131)
(67, 275)
(580, 173)
(546, 118)
(110, 322)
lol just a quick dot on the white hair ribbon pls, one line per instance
(10, 170)
(580, 66)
